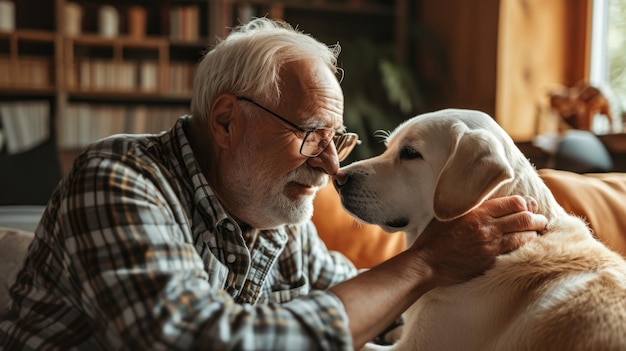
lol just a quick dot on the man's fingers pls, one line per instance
(531, 204)
(522, 221)
(504, 206)
(515, 214)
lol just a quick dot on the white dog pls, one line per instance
(562, 291)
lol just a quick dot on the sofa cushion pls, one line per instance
(599, 198)
(13, 246)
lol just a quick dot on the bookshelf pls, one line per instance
(127, 66)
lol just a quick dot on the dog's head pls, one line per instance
(441, 164)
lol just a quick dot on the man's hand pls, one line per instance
(463, 248)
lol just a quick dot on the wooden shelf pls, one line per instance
(30, 34)
(147, 42)
(350, 6)
(202, 42)
(20, 90)
(126, 96)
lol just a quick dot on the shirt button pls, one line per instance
(230, 226)
(230, 258)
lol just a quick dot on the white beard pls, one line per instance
(261, 196)
(287, 209)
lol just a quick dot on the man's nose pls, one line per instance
(328, 160)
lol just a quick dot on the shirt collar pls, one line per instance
(204, 198)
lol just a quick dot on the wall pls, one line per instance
(542, 45)
(468, 32)
(505, 54)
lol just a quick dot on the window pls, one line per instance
(608, 52)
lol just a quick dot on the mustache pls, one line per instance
(308, 176)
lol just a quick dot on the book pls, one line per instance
(108, 21)
(148, 75)
(184, 23)
(73, 18)
(26, 124)
(136, 16)
(7, 16)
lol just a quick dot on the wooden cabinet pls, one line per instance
(118, 66)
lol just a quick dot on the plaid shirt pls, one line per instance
(135, 252)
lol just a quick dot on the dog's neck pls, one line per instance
(527, 182)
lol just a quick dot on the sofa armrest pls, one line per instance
(13, 246)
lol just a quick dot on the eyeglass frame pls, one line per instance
(308, 132)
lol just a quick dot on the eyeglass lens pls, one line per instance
(345, 143)
(317, 140)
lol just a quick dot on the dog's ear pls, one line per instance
(476, 167)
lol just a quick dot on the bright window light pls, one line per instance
(608, 51)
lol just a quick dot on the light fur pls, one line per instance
(562, 291)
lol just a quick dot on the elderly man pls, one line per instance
(200, 237)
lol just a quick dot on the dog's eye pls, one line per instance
(409, 153)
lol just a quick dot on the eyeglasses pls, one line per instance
(316, 140)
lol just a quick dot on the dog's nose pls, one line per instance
(340, 179)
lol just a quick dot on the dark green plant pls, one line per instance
(380, 92)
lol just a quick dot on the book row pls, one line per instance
(98, 74)
(84, 123)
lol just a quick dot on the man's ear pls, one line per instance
(221, 118)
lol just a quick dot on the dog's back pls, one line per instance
(563, 291)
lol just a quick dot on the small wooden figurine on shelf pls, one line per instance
(578, 105)
(572, 143)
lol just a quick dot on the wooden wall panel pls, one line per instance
(505, 54)
(542, 45)
(468, 31)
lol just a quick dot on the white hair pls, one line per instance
(248, 62)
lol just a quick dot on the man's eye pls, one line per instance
(408, 153)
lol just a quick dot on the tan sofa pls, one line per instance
(600, 198)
